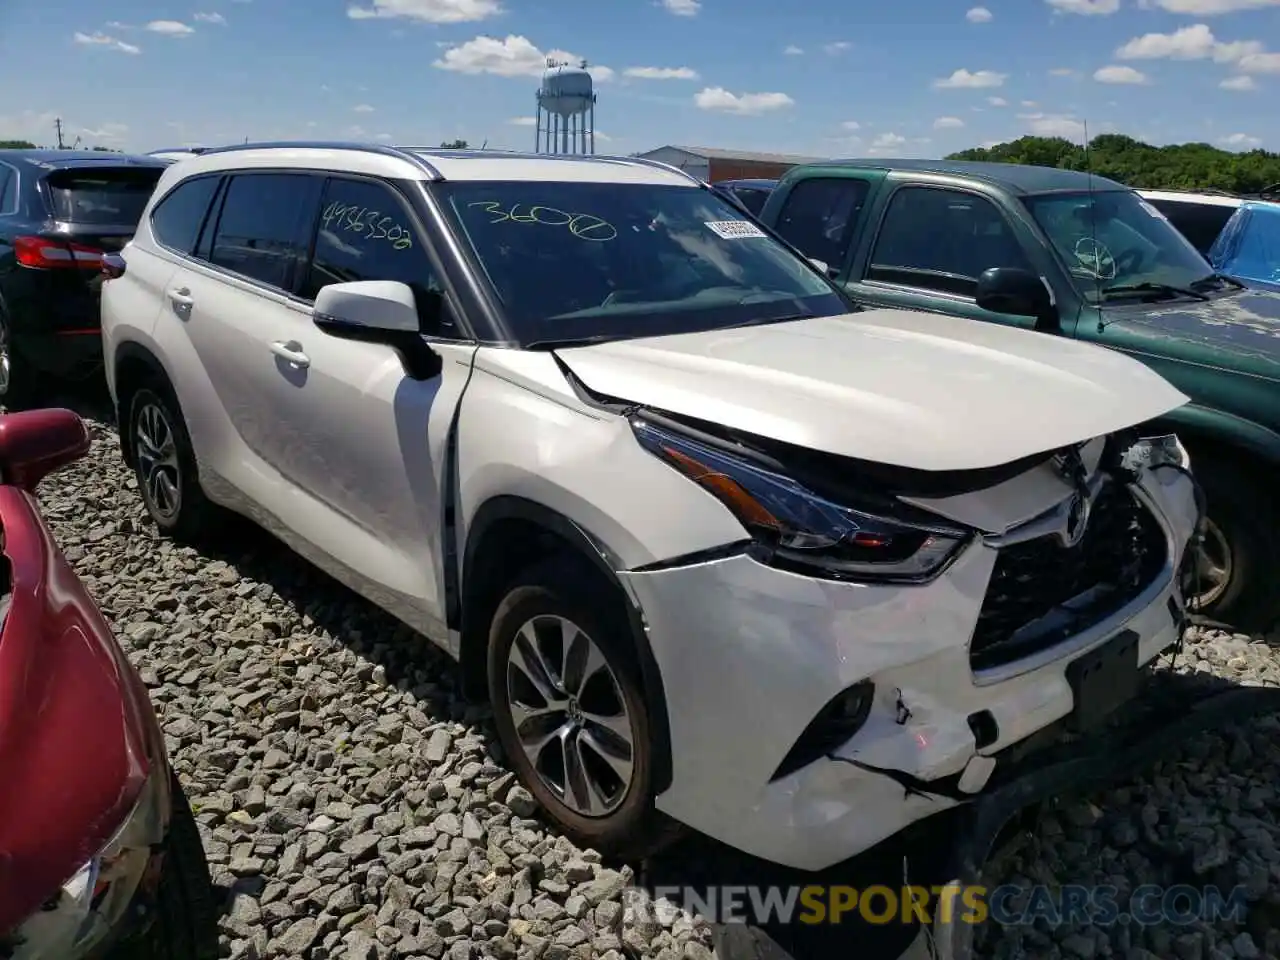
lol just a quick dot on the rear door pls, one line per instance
(822, 217)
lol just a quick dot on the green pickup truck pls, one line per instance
(1075, 255)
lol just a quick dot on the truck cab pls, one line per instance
(1070, 254)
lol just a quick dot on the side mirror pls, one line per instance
(821, 265)
(1019, 293)
(35, 443)
(378, 311)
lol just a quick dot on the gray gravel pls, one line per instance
(352, 806)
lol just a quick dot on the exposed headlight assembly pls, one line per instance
(1155, 451)
(797, 529)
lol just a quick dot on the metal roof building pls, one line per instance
(713, 165)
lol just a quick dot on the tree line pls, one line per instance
(1183, 166)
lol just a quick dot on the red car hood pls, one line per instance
(76, 727)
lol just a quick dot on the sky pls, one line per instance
(819, 78)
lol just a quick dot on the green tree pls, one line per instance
(454, 145)
(16, 145)
(1183, 166)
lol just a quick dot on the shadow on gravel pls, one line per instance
(957, 844)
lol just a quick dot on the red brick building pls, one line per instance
(713, 165)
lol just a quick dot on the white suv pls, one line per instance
(719, 548)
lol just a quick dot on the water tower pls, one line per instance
(566, 110)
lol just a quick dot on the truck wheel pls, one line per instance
(570, 710)
(185, 926)
(1230, 579)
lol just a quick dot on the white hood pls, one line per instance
(897, 387)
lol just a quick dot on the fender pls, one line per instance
(1195, 420)
(126, 351)
(590, 546)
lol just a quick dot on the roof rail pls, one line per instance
(378, 148)
(658, 164)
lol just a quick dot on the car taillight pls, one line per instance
(47, 254)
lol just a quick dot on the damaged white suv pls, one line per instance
(719, 549)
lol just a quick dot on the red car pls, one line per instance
(99, 852)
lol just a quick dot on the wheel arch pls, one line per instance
(506, 535)
(1210, 430)
(133, 365)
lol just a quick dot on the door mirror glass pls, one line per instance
(377, 311)
(35, 443)
(1016, 292)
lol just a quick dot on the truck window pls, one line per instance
(940, 239)
(1198, 222)
(819, 217)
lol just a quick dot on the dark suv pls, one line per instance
(60, 211)
(1078, 256)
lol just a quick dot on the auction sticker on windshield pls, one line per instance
(734, 229)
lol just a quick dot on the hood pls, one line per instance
(1240, 330)
(895, 387)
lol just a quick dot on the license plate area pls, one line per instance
(1103, 680)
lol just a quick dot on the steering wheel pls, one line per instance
(1129, 261)
(1095, 259)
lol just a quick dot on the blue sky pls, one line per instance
(815, 77)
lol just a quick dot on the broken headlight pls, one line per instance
(1151, 452)
(797, 529)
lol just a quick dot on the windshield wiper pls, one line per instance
(1217, 278)
(1148, 287)
(562, 342)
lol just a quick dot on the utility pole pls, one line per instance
(58, 126)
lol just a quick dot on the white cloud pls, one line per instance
(1086, 8)
(978, 15)
(170, 28)
(975, 79)
(720, 99)
(1259, 63)
(1209, 8)
(111, 132)
(523, 121)
(887, 143)
(29, 125)
(1195, 42)
(1119, 74)
(1241, 141)
(683, 8)
(514, 56)
(1053, 125)
(793, 51)
(1242, 82)
(997, 101)
(384, 137)
(662, 73)
(834, 49)
(210, 18)
(103, 40)
(428, 11)
(1063, 72)
(851, 125)
(362, 108)
(948, 123)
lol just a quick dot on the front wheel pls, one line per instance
(570, 710)
(1229, 578)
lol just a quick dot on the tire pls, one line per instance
(185, 926)
(15, 389)
(1241, 528)
(164, 464)
(563, 590)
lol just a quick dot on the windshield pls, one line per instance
(1114, 238)
(103, 197)
(572, 261)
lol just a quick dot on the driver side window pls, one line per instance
(940, 240)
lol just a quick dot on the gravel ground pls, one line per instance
(352, 806)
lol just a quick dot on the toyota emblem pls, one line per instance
(1077, 520)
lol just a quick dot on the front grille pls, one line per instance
(1042, 592)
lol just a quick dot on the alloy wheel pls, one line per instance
(1208, 570)
(5, 360)
(156, 453)
(570, 716)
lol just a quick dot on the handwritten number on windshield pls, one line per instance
(370, 224)
(584, 226)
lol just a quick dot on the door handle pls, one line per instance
(291, 350)
(181, 296)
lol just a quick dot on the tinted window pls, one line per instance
(9, 195)
(365, 233)
(105, 197)
(265, 226)
(568, 260)
(819, 217)
(752, 199)
(1198, 222)
(177, 219)
(942, 240)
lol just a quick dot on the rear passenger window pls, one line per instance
(265, 226)
(938, 239)
(365, 233)
(819, 217)
(177, 219)
(7, 193)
